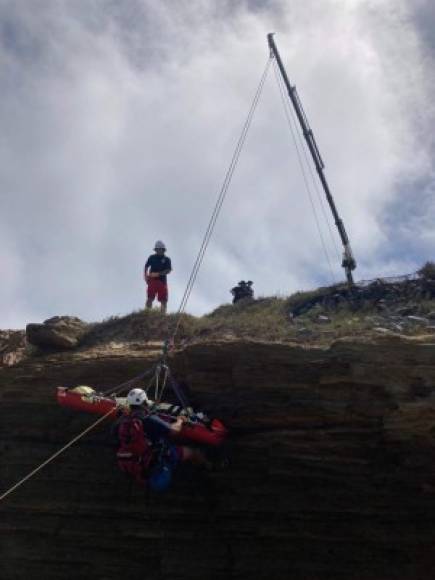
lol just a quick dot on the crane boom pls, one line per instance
(348, 262)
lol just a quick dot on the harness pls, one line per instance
(137, 455)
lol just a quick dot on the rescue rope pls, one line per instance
(50, 459)
(178, 392)
(165, 380)
(320, 197)
(220, 200)
(299, 156)
(314, 180)
(156, 386)
(150, 382)
(129, 383)
(192, 279)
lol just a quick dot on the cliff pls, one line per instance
(331, 476)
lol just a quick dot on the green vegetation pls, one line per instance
(264, 318)
(427, 271)
(317, 316)
(141, 325)
(261, 319)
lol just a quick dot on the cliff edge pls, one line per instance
(331, 476)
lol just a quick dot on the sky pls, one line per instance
(119, 121)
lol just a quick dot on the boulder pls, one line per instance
(12, 347)
(59, 332)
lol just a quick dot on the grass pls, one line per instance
(261, 318)
(141, 325)
(265, 318)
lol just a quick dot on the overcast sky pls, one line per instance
(119, 121)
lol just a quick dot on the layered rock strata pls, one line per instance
(332, 468)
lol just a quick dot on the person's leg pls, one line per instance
(151, 293)
(162, 296)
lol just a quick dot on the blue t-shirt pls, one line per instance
(158, 263)
(155, 428)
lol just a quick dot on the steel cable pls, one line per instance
(219, 202)
(52, 457)
(291, 122)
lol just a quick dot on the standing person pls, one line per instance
(157, 267)
(242, 290)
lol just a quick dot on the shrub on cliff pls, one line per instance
(427, 271)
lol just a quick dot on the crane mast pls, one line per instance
(348, 262)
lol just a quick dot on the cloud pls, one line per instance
(119, 121)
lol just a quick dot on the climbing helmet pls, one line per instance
(137, 397)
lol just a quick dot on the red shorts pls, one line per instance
(157, 288)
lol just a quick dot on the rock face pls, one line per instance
(12, 347)
(332, 470)
(59, 332)
(381, 293)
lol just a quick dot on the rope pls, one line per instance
(156, 386)
(219, 202)
(178, 392)
(50, 459)
(187, 292)
(320, 197)
(304, 175)
(124, 386)
(111, 391)
(150, 382)
(165, 379)
(155, 371)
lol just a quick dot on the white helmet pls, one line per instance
(137, 397)
(159, 245)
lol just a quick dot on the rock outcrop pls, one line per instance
(332, 468)
(403, 292)
(59, 332)
(12, 347)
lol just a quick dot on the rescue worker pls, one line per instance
(242, 290)
(145, 451)
(157, 267)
